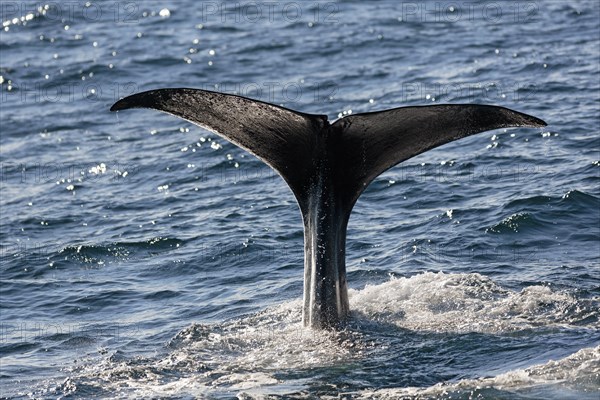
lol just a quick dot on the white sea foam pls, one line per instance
(247, 356)
(465, 303)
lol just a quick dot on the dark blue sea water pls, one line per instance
(144, 257)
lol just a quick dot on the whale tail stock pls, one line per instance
(327, 166)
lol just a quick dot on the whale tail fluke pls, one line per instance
(327, 166)
(278, 136)
(374, 142)
(365, 145)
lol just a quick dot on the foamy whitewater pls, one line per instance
(248, 356)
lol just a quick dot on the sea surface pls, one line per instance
(144, 257)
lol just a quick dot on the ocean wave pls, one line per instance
(120, 251)
(574, 377)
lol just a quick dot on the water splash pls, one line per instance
(265, 353)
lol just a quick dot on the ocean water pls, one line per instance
(143, 257)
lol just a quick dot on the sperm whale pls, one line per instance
(327, 165)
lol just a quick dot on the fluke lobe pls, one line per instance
(327, 166)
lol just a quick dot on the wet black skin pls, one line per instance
(327, 166)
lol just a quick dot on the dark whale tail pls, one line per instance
(327, 166)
